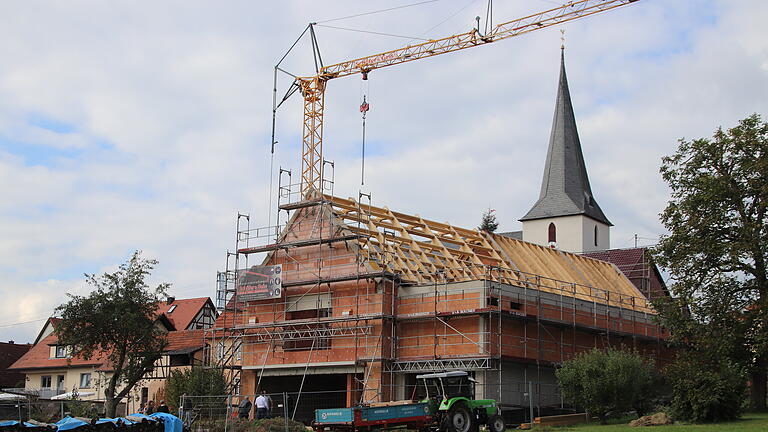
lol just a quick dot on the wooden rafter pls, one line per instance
(425, 251)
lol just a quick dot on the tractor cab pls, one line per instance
(451, 397)
(447, 385)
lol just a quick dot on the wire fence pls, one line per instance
(292, 405)
(49, 411)
(519, 402)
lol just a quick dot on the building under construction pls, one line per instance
(356, 299)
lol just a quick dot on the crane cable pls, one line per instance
(364, 108)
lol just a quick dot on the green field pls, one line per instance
(748, 423)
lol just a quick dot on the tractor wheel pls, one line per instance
(461, 419)
(496, 423)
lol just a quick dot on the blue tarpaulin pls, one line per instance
(68, 423)
(171, 423)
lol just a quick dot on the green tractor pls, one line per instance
(451, 396)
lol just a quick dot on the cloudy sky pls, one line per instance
(146, 125)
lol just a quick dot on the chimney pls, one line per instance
(10, 341)
(170, 300)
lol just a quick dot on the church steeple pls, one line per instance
(565, 189)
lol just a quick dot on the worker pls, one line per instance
(244, 409)
(162, 407)
(263, 405)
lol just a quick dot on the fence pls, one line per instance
(293, 405)
(517, 400)
(49, 411)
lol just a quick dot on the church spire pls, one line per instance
(565, 189)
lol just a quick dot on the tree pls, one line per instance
(717, 247)
(603, 381)
(488, 223)
(705, 389)
(116, 322)
(196, 381)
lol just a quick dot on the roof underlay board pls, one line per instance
(425, 251)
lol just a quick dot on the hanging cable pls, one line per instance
(370, 32)
(364, 107)
(378, 11)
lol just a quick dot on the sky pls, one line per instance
(147, 125)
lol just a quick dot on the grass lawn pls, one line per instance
(748, 423)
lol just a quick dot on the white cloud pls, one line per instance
(170, 107)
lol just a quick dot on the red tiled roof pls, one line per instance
(39, 356)
(637, 266)
(186, 310)
(185, 340)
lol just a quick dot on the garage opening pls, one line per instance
(319, 391)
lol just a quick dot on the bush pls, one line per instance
(706, 391)
(604, 381)
(196, 381)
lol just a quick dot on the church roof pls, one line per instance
(565, 189)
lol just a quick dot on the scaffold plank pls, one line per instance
(302, 204)
(298, 243)
(353, 276)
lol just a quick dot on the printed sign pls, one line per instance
(260, 283)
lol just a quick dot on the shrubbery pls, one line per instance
(605, 381)
(196, 381)
(706, 391)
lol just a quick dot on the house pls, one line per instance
(638, 266)
(9, 353)
(50, 369)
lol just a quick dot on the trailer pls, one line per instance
(449, 406)
(363, 418)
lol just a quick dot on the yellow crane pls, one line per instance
(313, 87)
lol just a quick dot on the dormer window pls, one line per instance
(61, 351)
(171, 309)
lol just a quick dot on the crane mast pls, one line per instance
(313, 87)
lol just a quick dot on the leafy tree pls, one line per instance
(195, 381)
(717, 248)
(705, 389)
(116, 322)
(489, 223)
(603, 381)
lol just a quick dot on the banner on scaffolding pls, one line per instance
(260, 283)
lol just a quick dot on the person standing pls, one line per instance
(163, 408)
(185, 410)
(150, 408)
(263, 405)
(244, 409)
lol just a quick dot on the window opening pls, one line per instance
(85, 380)
(61, 351)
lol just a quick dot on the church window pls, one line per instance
(552, 233)
(595, 235)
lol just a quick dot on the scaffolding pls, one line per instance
(365, 290)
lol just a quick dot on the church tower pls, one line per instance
(566, 215)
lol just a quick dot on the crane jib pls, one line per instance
(313, 87)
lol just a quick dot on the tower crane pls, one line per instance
(313, 87)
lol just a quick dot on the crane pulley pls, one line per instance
(313, 87)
